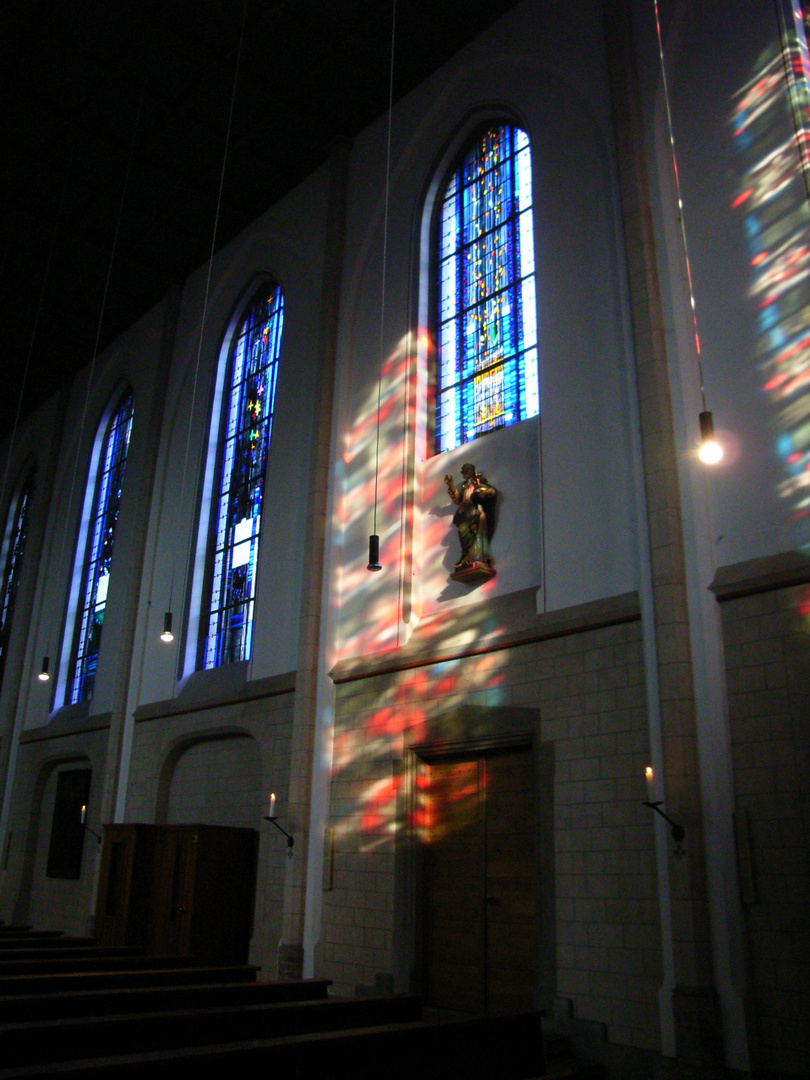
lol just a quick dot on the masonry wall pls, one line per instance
(205, 760)
(27, 892)
(768, 671)
(578, 693)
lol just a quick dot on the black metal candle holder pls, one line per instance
(93, 832)
(290, 840)
(678, 831)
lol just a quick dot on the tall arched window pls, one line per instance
(98, 534)
(12, 556)
(486, 317)
(245, 438)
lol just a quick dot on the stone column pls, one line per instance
(698, 1028)
(291, 948)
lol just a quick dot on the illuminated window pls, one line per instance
(99, 533)
(486, 319)
(246, 426)
(13, 548)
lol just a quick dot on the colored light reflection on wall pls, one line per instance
(771, 130)
(412, 706)
(370, 605)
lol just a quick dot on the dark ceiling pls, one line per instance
(114, 122)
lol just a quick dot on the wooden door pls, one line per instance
(175, 867)
(480, 905)
(205, 883)
(125, 885)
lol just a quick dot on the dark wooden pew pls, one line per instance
(66, 957)
(50, 939)
(110, 959)
(483, 1048)
(47, 1007)
(176, 975)
(64, 1040)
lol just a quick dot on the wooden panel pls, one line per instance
(125, 885)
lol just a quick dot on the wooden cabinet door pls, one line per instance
(205, 884)
(178, 889)
(123, 906)
(173, 902)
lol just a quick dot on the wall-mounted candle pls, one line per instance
(84, 814)
(648, 773)
(272, 812)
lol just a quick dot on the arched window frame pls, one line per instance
(11, 557)
(244, 424)
(486, 370)
(94, 548)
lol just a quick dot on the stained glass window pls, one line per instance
(99, 552)
(13, 551)
(247, 424)
(486, 320)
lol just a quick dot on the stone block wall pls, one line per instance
(767, 642)
(579, 696)
(217, 765)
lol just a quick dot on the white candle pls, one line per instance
(84, 814)
(648, 772)
(272, 806)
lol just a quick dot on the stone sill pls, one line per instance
(215, 689)
(767, 574)
(504, 623)
(67, 721)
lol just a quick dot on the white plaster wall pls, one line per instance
(711, 54)
(286, 245)
(130, 360)
(572, 527)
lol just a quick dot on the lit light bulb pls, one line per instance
(43, 675)
(167, 634)
(710, 451)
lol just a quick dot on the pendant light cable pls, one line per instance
(710, 451)
(206, 296)
(104, 298)
(374, 540)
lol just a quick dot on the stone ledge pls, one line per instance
(214, 689)
(68, 721)
(505, 622)
(761, 575)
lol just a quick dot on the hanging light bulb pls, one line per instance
(43, 675)
(710, 449)
(167, 634)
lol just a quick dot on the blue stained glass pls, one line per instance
(485, 291)
(101, 541)
(14, 548)
(253, 371)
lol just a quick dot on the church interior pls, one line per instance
(405, 515)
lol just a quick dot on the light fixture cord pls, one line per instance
(385, 256)
(105, 295)
(34, 331)
(208, 286)
(681, 220)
